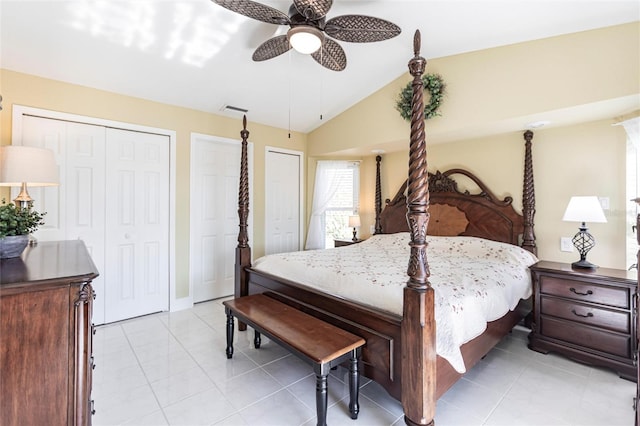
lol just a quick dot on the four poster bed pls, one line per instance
(400, 326)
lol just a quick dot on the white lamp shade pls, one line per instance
(354, 221)
(305, 39)
(27, 164)
(584, 209)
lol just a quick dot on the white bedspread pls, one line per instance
(475, 280)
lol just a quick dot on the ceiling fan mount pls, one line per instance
(305, 17)
(310, 32)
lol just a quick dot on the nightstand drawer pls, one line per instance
(587, 337)
(611, 320)
(578, 290)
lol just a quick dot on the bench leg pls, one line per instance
(229, 333)
(257, 341)
(354, 385)
(321, 399)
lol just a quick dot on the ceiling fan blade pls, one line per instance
(255, 10)
(360, 28)
(313, 9)
(331, 56)
(271, 48)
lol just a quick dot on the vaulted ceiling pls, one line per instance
(196, 54)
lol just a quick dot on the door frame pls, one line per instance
(300, 156)
(213, 139)
(19, 111)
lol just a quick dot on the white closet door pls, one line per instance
(137, 240)
(76, 208)
(84, 193)
(215, 168)
(282, 204)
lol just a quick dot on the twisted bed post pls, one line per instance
(418, 324)
(243, 251)
(378, 225)
(528, 198)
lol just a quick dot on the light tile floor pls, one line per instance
(171, 369)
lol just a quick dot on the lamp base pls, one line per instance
(23, 201)
(583, 264)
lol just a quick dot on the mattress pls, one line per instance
(475, 280)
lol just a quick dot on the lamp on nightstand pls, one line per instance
(354, 222)
(584, 209)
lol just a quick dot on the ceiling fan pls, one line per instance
(308, 28)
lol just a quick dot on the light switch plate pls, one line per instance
(566, 244)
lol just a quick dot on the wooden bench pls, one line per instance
(311, 339)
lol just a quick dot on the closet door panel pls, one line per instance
(137, 243)
(75, 208)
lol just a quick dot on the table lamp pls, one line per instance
(584, 209)
(354, 222)
(25, 166)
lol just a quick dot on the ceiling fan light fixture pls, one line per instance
(305, 39)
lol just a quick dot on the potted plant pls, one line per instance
(15, 226)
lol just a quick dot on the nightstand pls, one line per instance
(342, 243)
(586, 315)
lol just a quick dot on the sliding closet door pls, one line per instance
(137, 241)
(114, 196)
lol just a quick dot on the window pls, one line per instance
(335, 198)
(343, 204)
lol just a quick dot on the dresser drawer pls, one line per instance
(584, 291)
(585, 314)
(603, 341)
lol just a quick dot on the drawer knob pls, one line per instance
(588, 293)
(588, 315)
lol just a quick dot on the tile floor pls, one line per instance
(171, 369)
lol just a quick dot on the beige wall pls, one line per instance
(499, 90)
(586, 159)
(28, 90)
(490, 90)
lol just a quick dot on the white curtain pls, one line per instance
(632, 127)
(325, 188)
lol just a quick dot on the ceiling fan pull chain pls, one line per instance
(321, 83)
(289, 95)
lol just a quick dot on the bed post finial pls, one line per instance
(243, 251)
(418, 344)
(528, 198)
(378, 225)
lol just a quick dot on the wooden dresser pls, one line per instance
(587, 315)
(46, 335)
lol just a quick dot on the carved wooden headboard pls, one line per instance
(454, 213)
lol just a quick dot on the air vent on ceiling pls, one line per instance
(231, 108)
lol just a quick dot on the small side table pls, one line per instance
(587, 315)
(342, 243)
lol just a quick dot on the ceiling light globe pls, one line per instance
(305, 39)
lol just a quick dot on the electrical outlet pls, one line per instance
(566, 244)
(604, 202)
